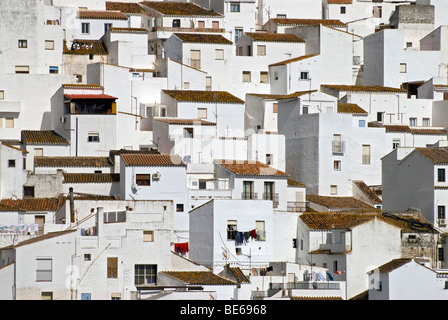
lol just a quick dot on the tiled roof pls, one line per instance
(179, 9)
(34, 204)
(305, 22)
(152, 160)
(435, 155)
(198, 278)
(81, 86)
(293, 183)
(126, 7)
(128, 30)
(393, 265)
(281, 96)
(190, 122)
(339, 1)
(368, 192)
(335, 202)
(101, 14)
(203, 96)
(435, 131)
(274, 37)
(121, 151)
(89, 96)
(350, 108)
(91, 177)
(250, 168)
(40, 238)
(42, 137)
(239, 275)
(95, 162)
(285, 62)
(203, 38)
(407, 129)
(356, 88)
(85, 47)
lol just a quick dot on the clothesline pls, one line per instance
(243, 237)
(20, 228)
(181, 248)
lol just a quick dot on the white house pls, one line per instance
(390, 281)
(13, 170)
(232, 231)
(420, 172)
(349, 245)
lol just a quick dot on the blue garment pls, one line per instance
(330, 276)
(239, 238)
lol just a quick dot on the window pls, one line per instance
(188, 132)
(179, 207)
(441, 175)
(337, 165)
(333, 190)
(93, 137)
(403, 68)
(231, 229)
(426, 122)
(78, 78)
(238, 33)
(2, 95)
(343, 10)
(85, 28)
(49, 45)
(365, 154)
(441, 257)
(260, 230)
(148, 236)
(186, 85)
(215, 24)
(219, 54)
(269, 159)
(87, 257)
(247, 190)
(145, 274)
(11, 163)
(112, 268)
(54, 69)
(44, 269)
(176, 23)
(335, 265)
(143, 179)
(268, 191)
(275, 107)
(305, 110)
(195, 59)
(264, 77)
(234, 7)
(23, 44)
(28, 191)
(362, 123)
(408, 44)
(304, 75)
(201, 24)
(261, 50)
(47, 295)
(202, 113)
(395, 143)
(413, 122)
(246, 76)
(22, 69)
(202, 184)
(440, 212)
(377, 12)
(208, 83)
(379, 116)
(107, 26)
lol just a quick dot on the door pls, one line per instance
(40, 221)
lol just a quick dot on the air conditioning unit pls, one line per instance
(156, 176)
(62, 119)
(442, 222)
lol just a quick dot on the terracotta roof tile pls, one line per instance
(190, 122)
(251, 168)
(42, 137)
(152, 160)
(435, 155)
(305, 22)
(82, 86)
(393, 264)
(203, 96)
(274, 37)
(95, 162)
(128, 30)
(203, 38)
(89, 96)
(350, 108)
(198, 278)
(39, 238)
(285, 62)
(179, 8)
(356, 88)
(293, 183)
(334, 202)
(368, 192)
(91, 177)
(339, 1)
(435, 131)
(85, 47)
(35, 204)
(126, 7)
(239, 275)
(101, 14)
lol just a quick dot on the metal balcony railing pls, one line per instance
(296, 206)
(271, 196)
(338, 146)
(249, 196)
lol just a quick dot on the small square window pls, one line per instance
(343, 10)
(362, 123)
(176, 23)
(148, 236)
(2, 95)
(219, 54)
(264, 77)
(261, 50)
(23, 44)
(234, 7)
(246, 76)
(11, 163)
(304, 75)
(87, 257)
(403, 68)
(22, 69)
(78, 78)
(143, 179)
(93, 137)
(28, 191)
(49, 45)
(85, 28)
(333, 190)
(54, 69)
(180, 207)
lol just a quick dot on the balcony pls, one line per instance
(295, 206)
(273, 197)
(249, 196)
(10, 106)
(338, 147)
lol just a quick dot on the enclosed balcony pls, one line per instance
(89, 104)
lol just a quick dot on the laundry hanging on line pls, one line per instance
(243, 237)
(181, 248)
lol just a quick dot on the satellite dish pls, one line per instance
(134, 188)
